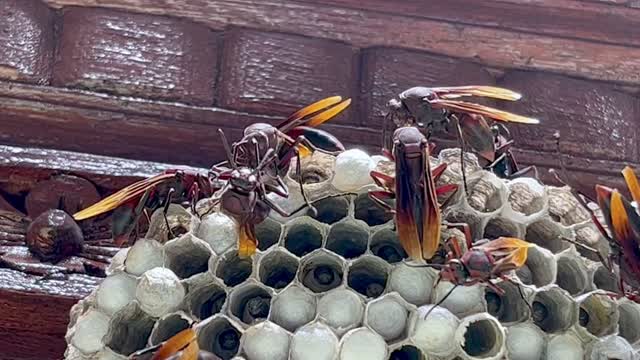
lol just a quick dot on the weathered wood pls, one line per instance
(558, 18)
(23, 168)
(65, 192)
(387, 72)
(34, 316)
(594, 120)
(26, 41)
(130, 128)
(140, 55)
(276, 74)
(360, 28)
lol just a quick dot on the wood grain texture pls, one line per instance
(65, 192)
(594, 120)
(129, 128)
(558, 18)
(386, 72)
(139, 55)
(22, 168)
(276, 74)
(362, 28)
(34, 316)
(26, 41)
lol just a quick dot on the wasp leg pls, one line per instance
(466, 230)
(377, 197)
(462, 151)
(165, 210)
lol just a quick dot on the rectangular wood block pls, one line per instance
(276, 74)
(386, 72)
(594, 120)
(139, 55)
(26, 41)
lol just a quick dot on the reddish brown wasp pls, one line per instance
(155, 192)
(623, 220)
(437, 109)
(417, 212)
(482, 263)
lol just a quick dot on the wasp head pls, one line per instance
(455, 272)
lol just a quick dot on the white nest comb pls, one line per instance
(333, 287)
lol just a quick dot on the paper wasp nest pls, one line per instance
(333, 286)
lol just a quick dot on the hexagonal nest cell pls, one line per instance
(344, 275)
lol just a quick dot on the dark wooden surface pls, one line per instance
(153, 81)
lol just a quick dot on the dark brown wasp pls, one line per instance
(260, 159)
(158, 191)
(504, 163)
(437, 109)
(296, 136)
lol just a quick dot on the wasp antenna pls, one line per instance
(440, 302)
(227, 150)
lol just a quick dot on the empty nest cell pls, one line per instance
(386, 245)
(277, 269)
(268, 233)
(348, 239)
(331, 210)
(233, 270)
(370, 212)
(303, 237)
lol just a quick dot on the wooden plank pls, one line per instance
(276, 74)
(129, 128)
(139, 55)
(594, 120)
(495, 47)
(34, 316)
(26, 41)
(568, 19)
(386, 72)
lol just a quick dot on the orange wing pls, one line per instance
(432, 222)
(632, 183)
(511, 252)
(324, 110)
(454, 92)
(128, 193)
(247, 241)
(619, 218)
(467, 107)
(185, 339)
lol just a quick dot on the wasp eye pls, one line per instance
(431, 97)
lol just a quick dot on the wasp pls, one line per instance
(484, 263)
(129, 203)
(297, 136)
(417, 212)
(439, 110)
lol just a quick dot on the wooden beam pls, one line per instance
(131, 128)
(365, 28)
(567, 19)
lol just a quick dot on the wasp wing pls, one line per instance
(478, 135)
(406, 196)
(510, 253)
(129, 193)
(493, 113)
(247, 241)
(182, 340)
(494, 92)
(431, 218)
(322, 111)
(632, 183)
